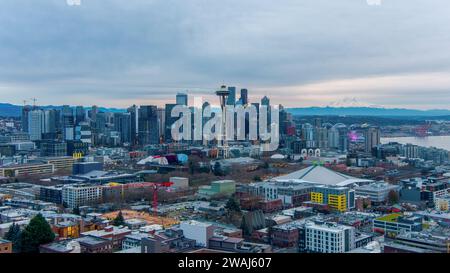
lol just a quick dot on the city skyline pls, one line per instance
(309, 53)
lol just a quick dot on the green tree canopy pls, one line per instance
(119, 220)
(393, 197)
(14, 235)
(36, 233)
(233, 205)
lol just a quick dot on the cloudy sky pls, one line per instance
(298, 52)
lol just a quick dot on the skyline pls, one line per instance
(310, 53)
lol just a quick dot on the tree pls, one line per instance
(233, 205)
(36, 233)
(119, 220)
(14, 235)
(393, 197)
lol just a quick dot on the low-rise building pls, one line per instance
(395, 223)
(336, 197)
(377, 192)
(21, 170)
(198, 231)
(442, 203)
(222, 187)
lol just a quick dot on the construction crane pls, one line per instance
(156, 187)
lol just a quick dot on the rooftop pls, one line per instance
(390, 217)
(322, 175)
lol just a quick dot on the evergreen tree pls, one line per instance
(36, 233)
(14, 235)
(119, 220)
(233, 205)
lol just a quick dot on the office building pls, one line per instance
(198, 231)
(77, 195)
(322, 237)
(148, 125)
(395, 223)
(336, 197)
(244, 96)
(80, 115)
(53, 148)
(182, 99)
(371, 138)
(51, 194)
(377, 192)
(122, 124)
(231, 100)
(35, 124)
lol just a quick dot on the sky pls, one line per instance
(115, 53)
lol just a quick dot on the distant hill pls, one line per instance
(11, 110)
(365, 111)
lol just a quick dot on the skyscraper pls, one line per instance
(35, 124)
(244, 96)
(265, 101)
(232, 96)
(148, 125)
(122, 124)
(134, 123)
(80, 114)
(371, 138)
(25, 110)
(182, 99)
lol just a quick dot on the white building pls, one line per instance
(377, 192)
(329, 237)
(180, 182)
(198, 231)
(74, 196)
(36, 124)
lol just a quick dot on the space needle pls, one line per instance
(223, 94)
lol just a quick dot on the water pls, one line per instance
(442, 142)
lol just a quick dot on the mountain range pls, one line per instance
(11, 110)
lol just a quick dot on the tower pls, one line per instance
(223, 94)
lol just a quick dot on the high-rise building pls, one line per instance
(371, 138)
(80, 114)
(182, 99)
(244, 96)
(50, 121)
(265, 101)
(83, 132)
(134, 123)
(232, 96)
(25, 110)
(35, 124)
(148, 125)
(161, 121)
(122, 124)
